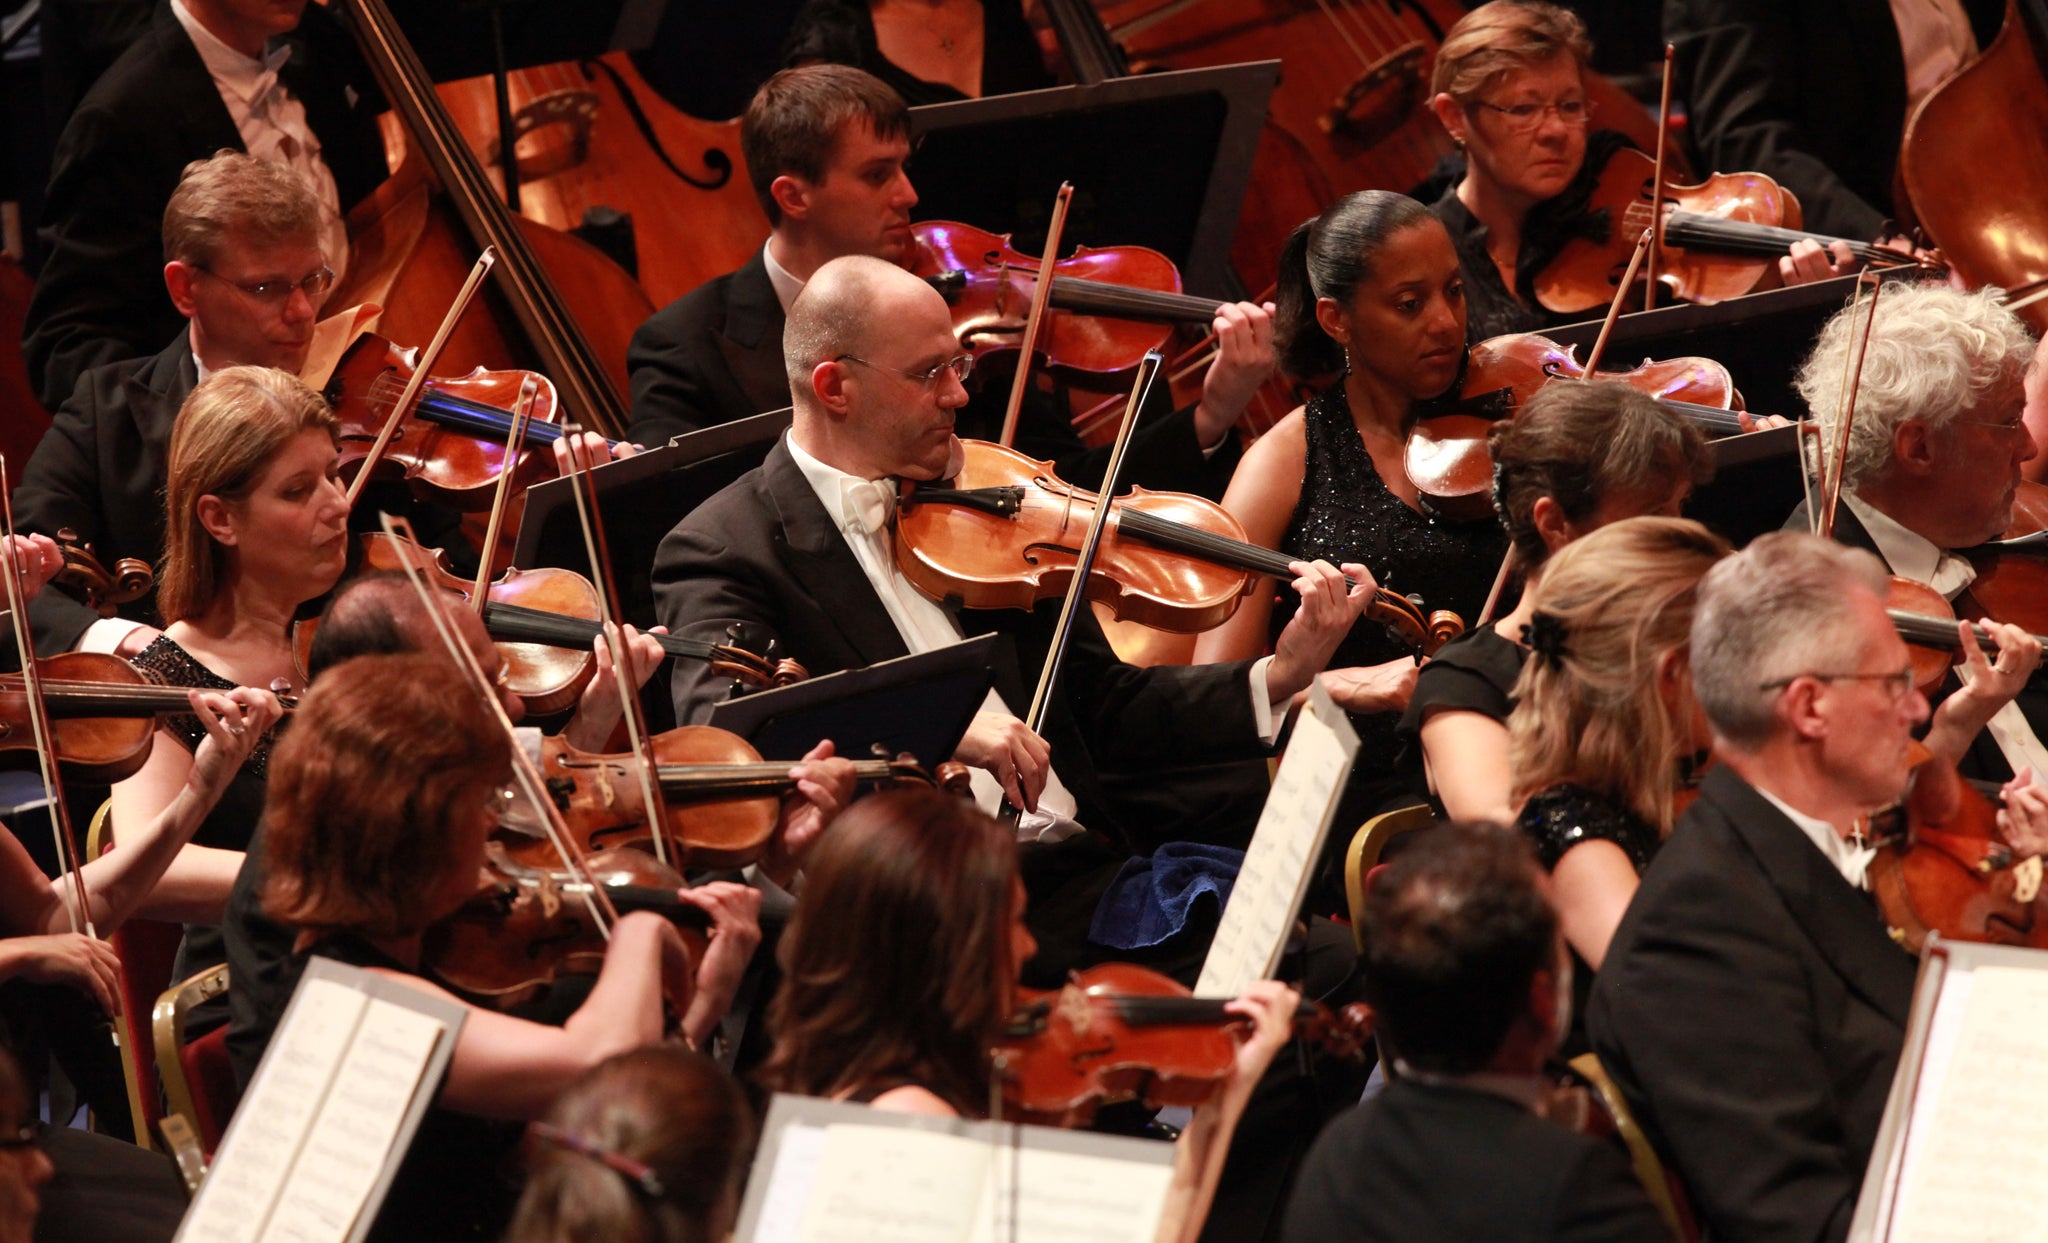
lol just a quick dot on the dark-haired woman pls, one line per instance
(1575, 458)
(1370, 291)
(930, 51)
(900, 970)
(649, 1147)
(383, 793)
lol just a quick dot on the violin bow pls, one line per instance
(525, 771)
(61, 827)
(1657, 187)
(427, 358)
(584, 487)
(1628, 277)
(1085, 562)
(1040, 297)
(1846, 408)
(522, 414)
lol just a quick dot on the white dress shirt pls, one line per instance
(1913, 556)
(860, 508)
(272, 123)
(1851, 859)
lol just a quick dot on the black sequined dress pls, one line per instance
(1347, 513)
(1565, 816)
(232, 822)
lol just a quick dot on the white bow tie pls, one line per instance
(869, 504)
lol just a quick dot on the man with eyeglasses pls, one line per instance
(799, 551)
(279, 79)
(826, 148)
(244, 266)
(1752, 1004)
(1937, 443)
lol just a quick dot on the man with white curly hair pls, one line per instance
(1936, 447)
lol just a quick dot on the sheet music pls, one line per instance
(250, 1169)
(352, 1137)
(1072, 1198)
(1290, 834)
(789, 1183)
(879, 1185)
(1977, 1152)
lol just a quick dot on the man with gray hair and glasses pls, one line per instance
(1752, 1004)
(1936, 446)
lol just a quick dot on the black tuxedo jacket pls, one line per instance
(1752, 1008)
(100, 296)
(714, 355)
(99, 470)
(1419, 1164)
(764, 555)
(1812, 92)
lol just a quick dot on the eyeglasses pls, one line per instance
(961, 365)
(1897, 684)
(314, 285)
(1527, 118)
(2004, 428)
(27, 1135)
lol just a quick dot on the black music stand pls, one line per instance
(1159, 160)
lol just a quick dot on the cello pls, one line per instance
(564, 305)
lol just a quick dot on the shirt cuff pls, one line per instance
(1268, 714)
(106, 634)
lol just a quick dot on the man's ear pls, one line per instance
(793, 195)
(179, 278)
(828, 384)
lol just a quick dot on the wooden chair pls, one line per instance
(1368, 845)
(1665, 1191)
(199, 1081)
(148, 950)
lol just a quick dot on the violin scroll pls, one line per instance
(101, 590)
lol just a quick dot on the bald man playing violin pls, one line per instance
(1937, 445)
(799, 551)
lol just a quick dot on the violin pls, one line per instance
(1927, 622)
(450, 447)
(1717, 240)
(545, 622)
(103, 714)
(722, 799)
(98, 588)
(1120, 1032)
(1941, 865)
(2012, 571)
(1007, 533)
(1447, 457)
(525, 926)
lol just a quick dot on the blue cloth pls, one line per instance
(1153, 898)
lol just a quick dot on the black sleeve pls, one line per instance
(1602, 1202)
(669, 394)
(61, 488)
(700, 593)
(1136, 718)
(1743, 61)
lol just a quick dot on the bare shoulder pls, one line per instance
(911, 1099)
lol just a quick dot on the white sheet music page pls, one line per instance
(889, 1185)
(351, 1139)
(1068, 1197)
(272, 1121)
(1290, 833)
(1976, 1154)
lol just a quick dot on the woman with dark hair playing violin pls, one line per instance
(1370, 291)
(900, 972)
(1508, 88)
(385, 789)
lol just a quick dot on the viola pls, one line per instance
(1007, 533)
(2012, 571)
(1120, 1032)
(545, 622)
(450, 447)
(1447, 457)
(525, 926)
(1718, 238)
(1941, 866)
(1926, 621)
(1109, 305)
(723, 800)
(103, 714)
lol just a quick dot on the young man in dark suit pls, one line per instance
(825, 147)
(243, 267)
(166, 102)
(1470, 987)
(1752, 1005)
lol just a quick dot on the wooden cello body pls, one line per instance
(591, 137)
(1990, 116)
